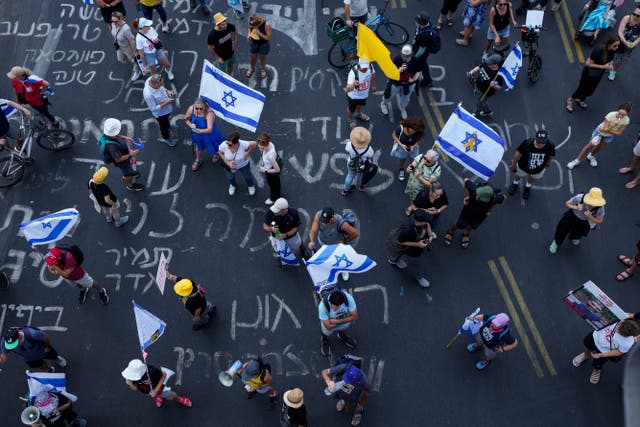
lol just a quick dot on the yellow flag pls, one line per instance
(372, 49)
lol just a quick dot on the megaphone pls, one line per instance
(226, 377)
(30, 415)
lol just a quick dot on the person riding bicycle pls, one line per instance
(7, 108)
(356, 11)
(115, 149)
(30, 89)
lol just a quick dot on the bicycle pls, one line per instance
(344, 47)
(12, 167)
(530, 46)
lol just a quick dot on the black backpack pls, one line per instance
(76, 253)
(326, 292)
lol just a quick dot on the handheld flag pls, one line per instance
(471, 143)
(236, 5)
(88, 1)
(150, 328)
(511, 66)
(50, 228)
(41, 381)
(283, 250)
(7, 109)
(470, 325)
(324, 265)
(231, 100)
(372, 49)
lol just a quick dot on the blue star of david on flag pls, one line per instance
(324, 265)
(46, 224)
(341, 258)
(229, 100)
(280, 247)
(50, 228)
(511, 66)
(471, 142)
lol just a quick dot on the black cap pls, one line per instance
(423, 18)
(542, 136)
(421, 216)
(326, 215)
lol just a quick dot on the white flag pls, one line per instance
(230, 99)
(511, 66)
(44, 381)
(7, 109)
(324, 265)
(236, 4)
(150, 328)
(280, 247)
(50, 228)
(471, 143)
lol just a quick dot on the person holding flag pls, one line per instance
(409, 69)
(282, 223)
(115, 149)
(494, 336)
(487, 81)
(148, 379)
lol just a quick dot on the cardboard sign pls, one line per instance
(594, 306)
(161, 275)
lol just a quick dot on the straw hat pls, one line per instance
(100, 175)
(293, 398)
(360, 137)
(218, 18)
(594, 197)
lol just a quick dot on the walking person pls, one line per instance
(33, 345)
(203, 6)
(193, 296)
(635, 161)
(222, 42)
(448, 9)
(407, 244)
(108, 8)
(205, 134)
(256, 377)
(406, 142)
(426, 40)
(152, 381)
(352, 391)
(30, 89)
(613, 125)
(487, 81)
(106, 199)
(361, 79)
(432, 200)
(125, 42)
(586, 212)
(259, 35)
(56, 410)
(494, 336)
(294, 411)
(630, 263)
(479, 202)
(67, 262)
(599, 61)
(609, 343)
(500, 16)
(360, 152)
(115, 149)
(475, 12)
(629, 36)
(269, 166)
(161, 102)
(336, 311)
(235, 154)
(409, 68)
(330, 228)
(282, 222)
(531, 159)
(148, 6)
(150, 48)
(424, 170)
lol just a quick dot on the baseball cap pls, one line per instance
(12, 338)
(407, 50)
(423, 18)
(183, 287)
(542, 136)
(144, 22)
(53, 257)
(326, 215)
(421, 216)
(112, 126)
(352, 376)
(500, 320)
(363, 63)
(279, 205)
(484, 193)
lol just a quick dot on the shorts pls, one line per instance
(11, 133)
(51, 355)
(259, 48)
(488, 353)
(227, 63)
(126, 168)
(108, 10)
(400, 154)
(150, 58)
(504, 33)
(263, 390)
(464, 221)
(595, 133)
(636, 149)
(85, 281)
(328, 333)
(522, 174)
(353, 103)
(590, 343)
(125, 56)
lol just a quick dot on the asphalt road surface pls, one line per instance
(403, 329)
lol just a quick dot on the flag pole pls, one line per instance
(484, 95)
(144, 359)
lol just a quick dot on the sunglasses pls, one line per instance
(230, 144)
(199, 108)
(636, 15)
(502, 4)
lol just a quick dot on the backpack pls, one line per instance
(326, 291)
(350, 360)
(594, 211)
(76, 253)
(348, 215)
(436, 42)
(501, 334)
(106, 157)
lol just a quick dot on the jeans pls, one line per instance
(147, 12)
(399, 91)
(413, 263)
(348, 181)
(204, 316)
(246, 173)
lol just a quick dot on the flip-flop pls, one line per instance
(625, 260)
(465, 241)
(583, 104)
(625, 170)
(578, 360)
(357, 419)
(569, 105)
(249, 72)
(624, 275)
(196, 165)
(595, 377)
(363, 117)
(449, 22)
(263, 73)
(631, 184)
(448, 239)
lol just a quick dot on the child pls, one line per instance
(104, 197)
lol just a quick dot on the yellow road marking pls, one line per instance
(515, 317)
(403, 4)
(430, 122)
(527, 315)
(394, 4)
(436, 110)
(563, 36)
(572, 31)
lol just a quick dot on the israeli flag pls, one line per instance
(50, 228)
(41, 381)
(283, 250)
(471, 143)
(7, 109)
(88, 1)
(150, 327)
(471, 327)
(324, 265)
(511, 66)
(230, 99)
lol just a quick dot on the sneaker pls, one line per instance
(135, 187)
(573, 163)
(232, 190)
(52, 369)
(401, 175)
(474, 346)
(553, 247)
(252, 191)
(122, 221)
(345, 193)
(83, 295)
(512, 189)
(61, 361)
(136, 75)
(268, 202)
(170, 142)
(325, 348)
(403, 113)
(165, 29)
(592, 160)
(384, 108)
(401, 264)
(612, 75)
(486, 113)
(109, 219)
(575, 242)
(482, 364)
(423, 282)
(344, 275)
(170, 75)
(347, 340)
(526, 193)
(104, 296)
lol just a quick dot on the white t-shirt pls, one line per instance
(239, 156)
(268, 155)
(362, 91)
(144, 44)
(358, 7)
(605, 342)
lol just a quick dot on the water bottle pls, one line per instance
(276, 231)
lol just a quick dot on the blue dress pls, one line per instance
(597, 19)
(210, 141)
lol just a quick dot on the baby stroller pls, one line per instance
(596, 16)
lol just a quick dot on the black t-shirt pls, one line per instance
(4, 123)
(485, 76)
(422, 200)
(422, 38)
(596, 56)
(222, 41)
(295, 416)
(413, 66)
(286, 222)
(194, 301)
(409, 232)
(100, 191)
(475, 210)
(116, 150)
(495, 338)
(408, 140)
(57, 419)
(534, 159)
(143, 384)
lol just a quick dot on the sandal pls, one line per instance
(449, 22)
(595, 377)
(159, 401)
(465, 241)
(340, 405)
(631, 184)
(583, 104)
(196, 165)
(357, 419)
(439, 26)
(352, 123)
(249, 72)
(448, 239)
(263, 73)
(215, 159)
(461, 42)
(625, 260)
(185, 401)
(625, 170)
(570, 105)
(363, 117)
(408, 212)
(578, 360)
(624, 275)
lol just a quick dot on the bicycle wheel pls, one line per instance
(534, 68)
(392, 33)
(342, 53)
(56, 140)
(11, 170)
(39, 123)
